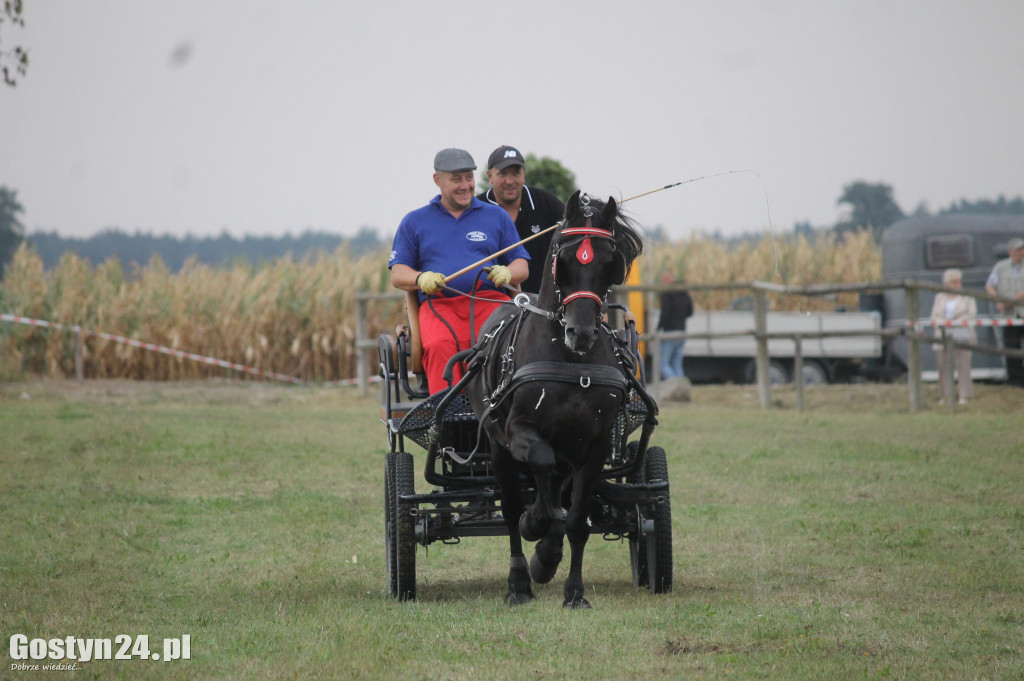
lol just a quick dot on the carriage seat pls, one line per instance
(401, 355)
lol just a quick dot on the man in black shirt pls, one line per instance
(531, 208)
(676, 308)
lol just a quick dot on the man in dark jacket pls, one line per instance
(531, 208)
(676, 307)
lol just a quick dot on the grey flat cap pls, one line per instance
(1014, 244)
(453, 160)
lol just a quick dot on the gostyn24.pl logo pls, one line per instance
(65, 653)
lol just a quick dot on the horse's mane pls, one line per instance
(627, 232)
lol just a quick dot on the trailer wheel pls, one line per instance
(778, 373)
(815, 373)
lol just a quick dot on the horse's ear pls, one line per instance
(611, 211)
(572, 206)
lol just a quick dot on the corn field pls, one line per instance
(854, 257)
(298, 318)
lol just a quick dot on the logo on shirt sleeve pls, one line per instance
(476, 236)
(391, 258)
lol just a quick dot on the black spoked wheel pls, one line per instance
(390, 530)
(650, 552)
(638, 557)
(405, 529)
(637, 545)
(659, 547)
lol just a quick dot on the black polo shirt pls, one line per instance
(538, 210)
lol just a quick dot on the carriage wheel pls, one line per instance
(390, 531)
(651, 553)
(405, 528)
(637, 545)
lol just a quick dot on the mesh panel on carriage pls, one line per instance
(631, 417)
(458, 425)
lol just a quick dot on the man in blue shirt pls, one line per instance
(450, 233)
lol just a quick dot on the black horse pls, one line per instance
(548, 392)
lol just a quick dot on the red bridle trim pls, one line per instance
(583, 294)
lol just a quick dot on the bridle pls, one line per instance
(580, 238)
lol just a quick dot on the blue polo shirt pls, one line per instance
(430, 239)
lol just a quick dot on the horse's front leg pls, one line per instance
(542, 519)
(577, 528)
(528, 447)
(512, 506)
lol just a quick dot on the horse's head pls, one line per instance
(591, 252)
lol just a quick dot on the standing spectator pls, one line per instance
(453, 231)
(531, 208)
(676, 307)
(1007, 281)
(950, 307)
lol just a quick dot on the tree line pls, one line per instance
(211, 250)
(870, 205)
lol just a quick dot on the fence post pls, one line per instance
(79, 363)
(362, 375)
(798, 371)
(764, 382)
(913, 350)
(654, 348)
(947, 381)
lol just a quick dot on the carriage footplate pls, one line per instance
(477, 510)
(630, 493)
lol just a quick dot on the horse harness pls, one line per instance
(495, 359)
(500, 344)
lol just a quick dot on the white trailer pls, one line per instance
(825, 360)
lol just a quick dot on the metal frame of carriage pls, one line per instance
(631, 501)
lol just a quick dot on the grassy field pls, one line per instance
(853, 540)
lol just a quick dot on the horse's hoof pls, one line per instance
(518, 598)
(577, 604)
(524, 529)
(541, 572)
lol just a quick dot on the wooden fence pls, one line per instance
(759, 291)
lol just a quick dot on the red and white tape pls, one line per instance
(30, 321)
(156, 348)
(980, 321)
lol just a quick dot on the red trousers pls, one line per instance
(438, 342)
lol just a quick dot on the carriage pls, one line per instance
(630, 497)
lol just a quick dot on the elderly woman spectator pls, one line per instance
(955, 309)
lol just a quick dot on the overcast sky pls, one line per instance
(259, 117)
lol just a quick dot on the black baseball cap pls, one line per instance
(505, 156)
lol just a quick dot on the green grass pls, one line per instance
(853, 542)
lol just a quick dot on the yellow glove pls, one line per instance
(499, 275)
(430, 282)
